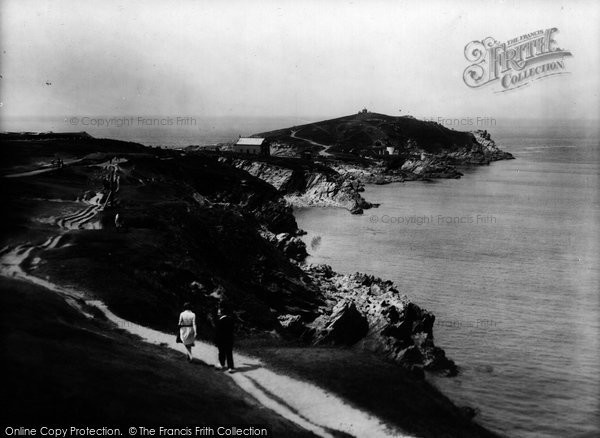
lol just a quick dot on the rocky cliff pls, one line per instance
(482, 151)
(419, 164)
(306, 186)
(370, 313)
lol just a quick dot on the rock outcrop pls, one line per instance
(324, 191)
(430, 166)
(290, 245)
(483, 151)
(419, 164)
(307, 187)
(371, 313)
(344, 326)
(283, 179)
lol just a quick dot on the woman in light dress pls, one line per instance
(187, 329)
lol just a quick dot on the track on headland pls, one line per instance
(323, 152)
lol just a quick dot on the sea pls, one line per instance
(506, 257)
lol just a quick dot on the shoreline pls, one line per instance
(319, 309)
(305, 411)
(489, 370)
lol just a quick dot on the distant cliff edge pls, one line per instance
(379, 148)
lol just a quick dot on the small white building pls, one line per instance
(252, 146)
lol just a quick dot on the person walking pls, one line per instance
(224, 338)
(187, 329)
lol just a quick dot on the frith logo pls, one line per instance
(515, 63)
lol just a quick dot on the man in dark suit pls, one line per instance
(224, 337)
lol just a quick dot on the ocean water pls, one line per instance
(507, 258)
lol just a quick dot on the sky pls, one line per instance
(283, 58)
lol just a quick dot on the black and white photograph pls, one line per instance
(276, 218)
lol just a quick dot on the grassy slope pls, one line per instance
(60, 368)
(374, 385)
(145, 273)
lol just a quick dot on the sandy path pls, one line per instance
(303, 403)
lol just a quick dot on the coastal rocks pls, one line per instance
(373, 174)
(344, 326)
(416, 163)
(322, 190)
(291, 246)
(277, 176)
(308, 187)
(376, 318)
(276, 215)
(417, 167)
(488, 147)
(292, 324)
(482, 151)
(430, 167)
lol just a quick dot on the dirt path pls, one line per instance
(13, 259)
(323, 152)
(303, 403)
(82, 218)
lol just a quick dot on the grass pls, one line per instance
(372, 384)
(61, 368)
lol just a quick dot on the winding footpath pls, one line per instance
(82, 218)
(323, 152)
(300, 402)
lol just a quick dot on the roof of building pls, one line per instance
(247, 141)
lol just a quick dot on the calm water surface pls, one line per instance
(507, 259)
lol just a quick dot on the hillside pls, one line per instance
(61, 367)
(369, 134)
(191, 227)
(362, 131)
